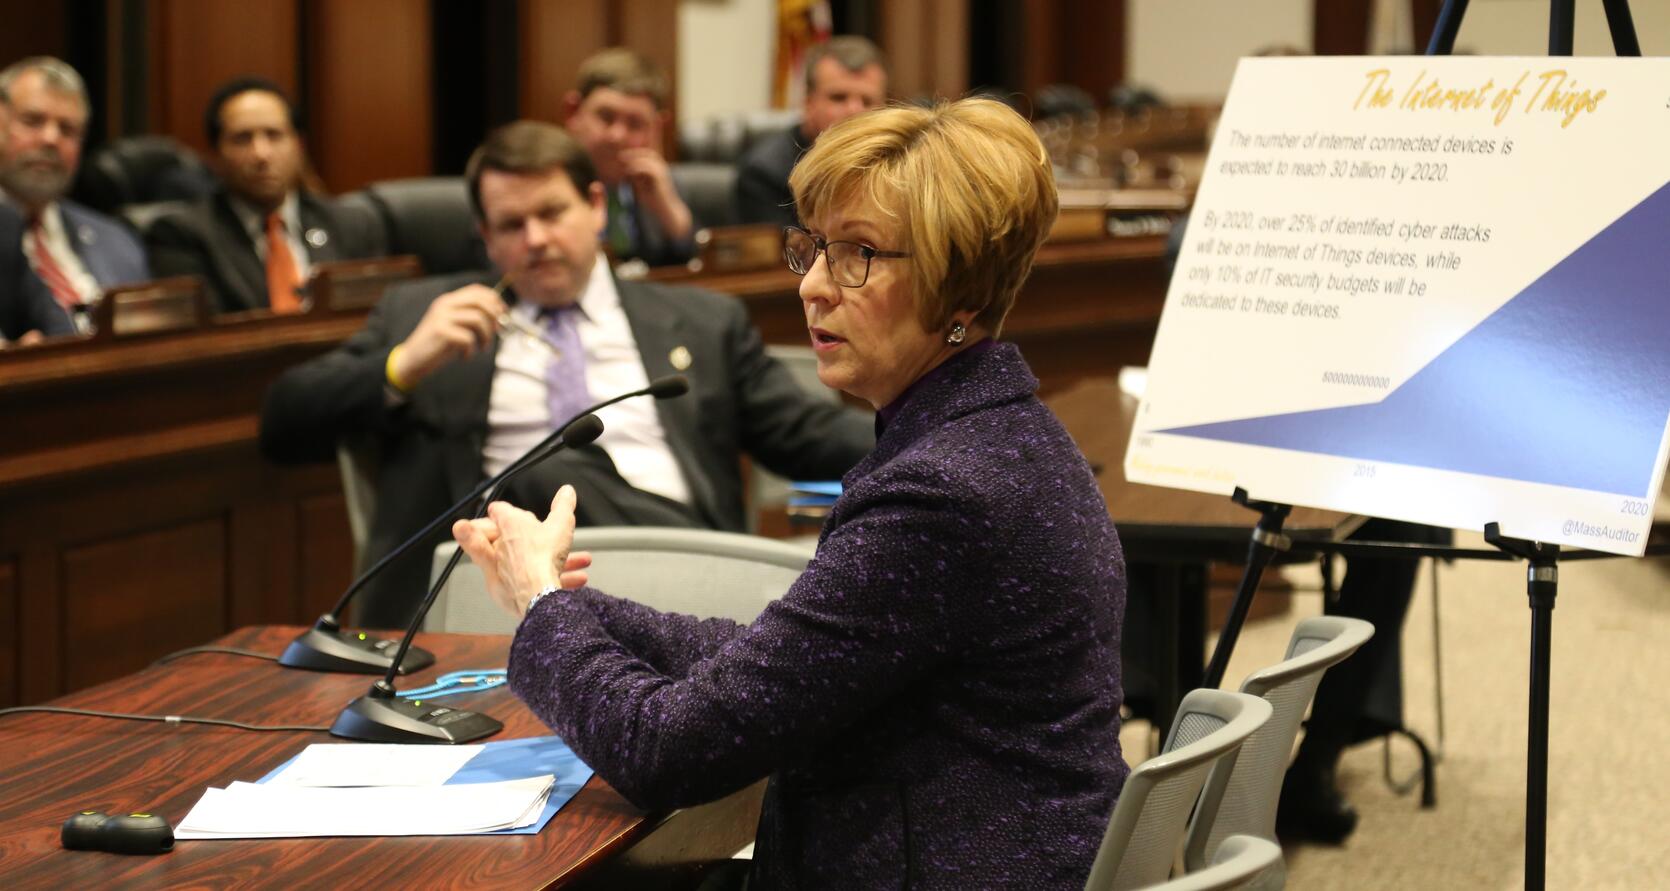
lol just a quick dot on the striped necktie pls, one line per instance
(48, 269)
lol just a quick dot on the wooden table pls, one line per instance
(54, 765)
(1170, 536)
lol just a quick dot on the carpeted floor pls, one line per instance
(1609, 777)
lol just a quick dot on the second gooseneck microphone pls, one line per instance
(380, 715)
(326, 647)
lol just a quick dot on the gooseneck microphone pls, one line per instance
(326, 647)
(380, 715)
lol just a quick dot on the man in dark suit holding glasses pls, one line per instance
(455, 377)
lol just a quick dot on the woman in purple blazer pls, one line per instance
(936, 699)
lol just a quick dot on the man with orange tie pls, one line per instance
(255, 240)
(75, 252)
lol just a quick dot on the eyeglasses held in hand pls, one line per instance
(849, 261)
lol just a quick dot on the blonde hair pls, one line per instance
(966, 183)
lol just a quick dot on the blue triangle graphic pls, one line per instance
(1568, 383)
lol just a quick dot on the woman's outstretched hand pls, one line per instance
(520, 555)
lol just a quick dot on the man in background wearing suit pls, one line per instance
(448, 397)
(844, 76)
(76, 252)
(617, 111)
(255, 240)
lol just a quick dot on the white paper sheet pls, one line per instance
(386, 764)
(273, 810)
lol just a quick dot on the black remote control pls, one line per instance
(122, 834)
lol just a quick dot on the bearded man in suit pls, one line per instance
(76, 252)
(448, 398)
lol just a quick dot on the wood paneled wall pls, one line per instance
(136, 515)
(364, 71)
(557, 35)
(926, 42)
(199, 545)
(1340, 27)
(34, 28)
(196, 45)
(361, 72)
(368, 90)
(1073, 43)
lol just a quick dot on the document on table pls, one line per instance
(511, 787)
(277, 810)
(372, 764)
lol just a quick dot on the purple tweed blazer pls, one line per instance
(936, 700)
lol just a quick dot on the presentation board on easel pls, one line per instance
(1427, 289)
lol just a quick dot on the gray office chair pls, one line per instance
(764, 487)
(357, 459)
(1242, 800)
(692, 571)
(802, 363)
(1148, 823)
(1240, 864)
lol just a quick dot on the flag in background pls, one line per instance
(1391, 30)
(801, 24)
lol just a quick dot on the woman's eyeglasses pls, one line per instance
(849, 261)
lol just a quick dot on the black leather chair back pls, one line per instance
(142, 216)
(723, 139)
(1063, 100)
(141, 170)
(710, 190)
(428, 217)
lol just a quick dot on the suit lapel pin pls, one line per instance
(86, 234)
(317, 237)
(680, 357)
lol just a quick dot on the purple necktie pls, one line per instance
(565, 376)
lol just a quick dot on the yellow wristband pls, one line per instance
(388, 369)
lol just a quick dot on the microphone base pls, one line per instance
(348, 651)
(397, 720)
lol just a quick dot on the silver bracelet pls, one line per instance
(548, 589)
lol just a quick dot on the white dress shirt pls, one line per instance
(255, 223)
(519, 415)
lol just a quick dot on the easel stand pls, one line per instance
(1542, 582)
(1267, 542)
(1542, 576)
